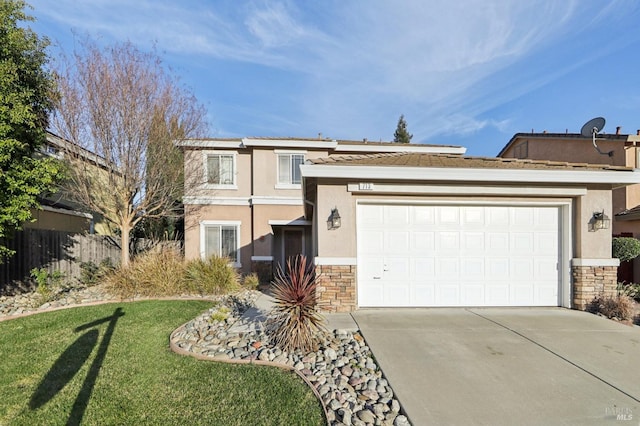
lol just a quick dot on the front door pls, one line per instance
(293, 243)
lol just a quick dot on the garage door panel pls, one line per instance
(397, 293)
(448, 241)
(547, 218)
(396, 215)
(498, 267)
(423, 268)
(371, 294)
(447, 268)
(473, 217)
(472, 294)
(397, 242)
(371, 241)
(447, 295)
(448, 215)
(451, 255)
(522, 242)
(423, 215)
(522, 268)
(497, 242)
(397, 267)
(522, 294)
(497, 216)
(523, 217)
(371, 267)
(546, 243)
(374, 217)
(421, 241)
(497, 294)
(473, 267)
(473, 241)
(423, 295)
(546, 269)
(546, 295)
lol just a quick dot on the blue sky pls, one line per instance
(466, 72)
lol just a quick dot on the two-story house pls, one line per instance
(243, 197)
(405, 225)
(615, 149)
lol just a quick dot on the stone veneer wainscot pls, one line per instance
(336, 290)
(593, 278)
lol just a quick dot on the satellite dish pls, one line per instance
(591, 128)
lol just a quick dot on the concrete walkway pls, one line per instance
(525, 366)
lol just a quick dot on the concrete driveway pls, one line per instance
(505, 366)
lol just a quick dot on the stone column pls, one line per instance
(336, 291)
(593, 278)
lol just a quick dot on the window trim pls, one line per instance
(290, 154)
(205, 161)
(236, 223)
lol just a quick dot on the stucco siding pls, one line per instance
(195, 214)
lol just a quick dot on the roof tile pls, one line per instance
(407, 159)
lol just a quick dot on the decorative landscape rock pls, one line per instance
(342, 370)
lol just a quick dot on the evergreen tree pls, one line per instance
(25, 89)
(401, 135)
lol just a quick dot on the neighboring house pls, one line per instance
(446, 230)
(571, 147)
(57, 211)
(405, 225)
(243, 197)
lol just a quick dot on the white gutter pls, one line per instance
(458, 174)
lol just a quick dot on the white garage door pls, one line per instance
(424, 255)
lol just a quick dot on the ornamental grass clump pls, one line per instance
(619, 307)
(294, 321)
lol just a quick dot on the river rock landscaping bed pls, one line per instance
(57, 298)
(342, 371)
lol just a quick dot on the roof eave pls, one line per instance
(459, 174)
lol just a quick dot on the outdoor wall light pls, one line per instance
(599, 221)
(334, 219)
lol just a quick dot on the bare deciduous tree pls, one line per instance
(122, 110)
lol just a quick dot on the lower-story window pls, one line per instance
(220, 239)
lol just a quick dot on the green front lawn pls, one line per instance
(111, 365)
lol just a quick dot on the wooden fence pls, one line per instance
(53, 250)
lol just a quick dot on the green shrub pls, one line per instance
(618, 307)
(91, 274)
(251, 281)
(294, 322)
(45, 282)
(625, 248)
(214, 275)
(629, 289)
(221, 314)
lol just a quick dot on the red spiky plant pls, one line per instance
(294, 321)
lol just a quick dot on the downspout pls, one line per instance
(253, 239)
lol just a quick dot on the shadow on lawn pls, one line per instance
(70, 362)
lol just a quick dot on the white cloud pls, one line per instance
(362, 63)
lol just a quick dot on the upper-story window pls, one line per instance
(289, 169)
(220, 169)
